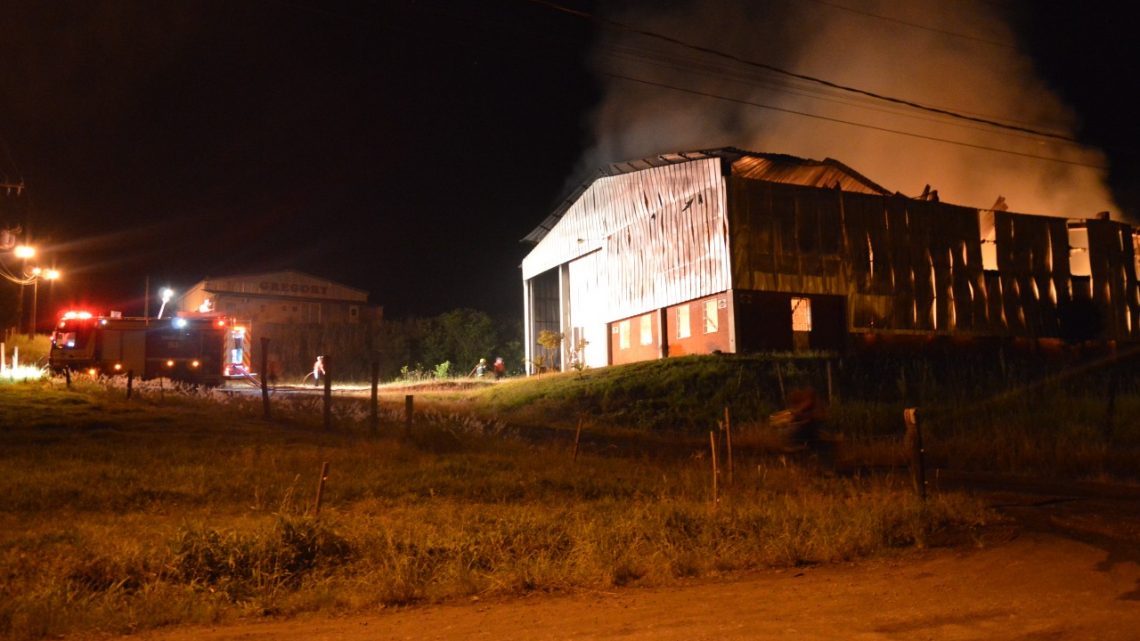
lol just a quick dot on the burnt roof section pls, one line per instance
(780, 168)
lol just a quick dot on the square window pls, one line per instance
(987, 233)
(647, 329)
(684, 329)
(1079, 263)
(623, 331)
(801, 314)
(712, 317)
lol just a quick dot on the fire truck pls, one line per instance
(200, 348)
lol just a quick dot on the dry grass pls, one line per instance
(184, 507)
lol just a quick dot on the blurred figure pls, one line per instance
(500, 368)
(480, 369)
(318, 370)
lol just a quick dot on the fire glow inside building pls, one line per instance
(735, 251)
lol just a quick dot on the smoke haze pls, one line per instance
(978, 72)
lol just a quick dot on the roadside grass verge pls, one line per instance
(183, 506)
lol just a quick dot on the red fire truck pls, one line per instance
(190, 347)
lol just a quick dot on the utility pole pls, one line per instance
(7, 187)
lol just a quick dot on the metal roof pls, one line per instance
(752, 165)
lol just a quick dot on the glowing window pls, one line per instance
(987, 233)
(623, 335)
(1079, 264)
(1136, 252)
(647, 329)
(712, 318)
(684, 329)
(801, 314)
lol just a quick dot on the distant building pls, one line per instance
(735, 251)
(281, 298)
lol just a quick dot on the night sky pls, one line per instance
(402, 147)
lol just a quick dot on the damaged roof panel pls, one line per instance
(780, 168)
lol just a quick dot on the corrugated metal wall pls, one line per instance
(654, 238)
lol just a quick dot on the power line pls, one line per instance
(913, 25)
(750, 103)
(634, 54)
(779, 70)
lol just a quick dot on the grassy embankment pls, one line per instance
(1016, 413)
(171, 509)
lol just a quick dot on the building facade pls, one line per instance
(735, 251)
(281, 298)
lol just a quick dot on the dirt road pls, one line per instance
(1069, 569)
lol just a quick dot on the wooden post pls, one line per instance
(130, 382)
(1110, 408)
(328, 395)
(728, 441)
(409, 410)
(374, 414)
(321, 487)
(577, 438)
(917, 453)
(780, 380)
(265, 376)
(712, 446)
(67, 376)
(830, 395)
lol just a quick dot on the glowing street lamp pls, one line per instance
(35, 276)
(167, 294)
(23, 252)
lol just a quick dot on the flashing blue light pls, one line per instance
(180, 323)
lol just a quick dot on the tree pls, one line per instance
(550, 342)
(461, 336)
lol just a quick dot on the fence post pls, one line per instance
(1110, 406)
(130, 382)
(917, 453)
(67, 376)
(328, 395)
(374, 416)
(780, 380)
(265, 376)
(321, 487)
(712, 446)
(728, 441)
(577, 438)
(830, 393)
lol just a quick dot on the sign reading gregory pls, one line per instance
(272, 286)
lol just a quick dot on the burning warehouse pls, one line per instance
(734, 251)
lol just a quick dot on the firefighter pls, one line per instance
(318, 370)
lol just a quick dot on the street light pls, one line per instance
(37, 274)
(167, 294)
(23, 252)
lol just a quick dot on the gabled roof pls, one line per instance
(752, 165)
(827, 173)
(222, 283)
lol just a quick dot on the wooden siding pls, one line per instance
(915, 266)
(661, 232)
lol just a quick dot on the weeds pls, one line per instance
(183, 506)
